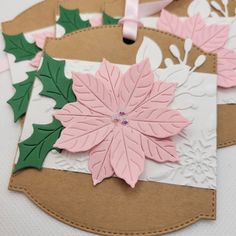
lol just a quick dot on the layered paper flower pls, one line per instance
(210, 38)
(120, 119)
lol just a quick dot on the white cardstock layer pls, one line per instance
(19, 69)
(225, 96)
(195, 99)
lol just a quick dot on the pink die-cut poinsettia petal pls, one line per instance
(226, 68)
(193, 26)
(159, 123)
(159, 150)
(161, 95)
(84, 135)
(92, 93)
(127, 157)
(75, 112)
(211, 38)
(136, 85)
(40, 38)
(35, 62)
(171, 23)
(100, 160)
(110, 75)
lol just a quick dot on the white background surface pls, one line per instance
(20, 217)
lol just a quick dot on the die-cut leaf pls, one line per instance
(55, 84)
(20, 101)
(109, 20)
(71, 21)
(34, 150)
(18, 46)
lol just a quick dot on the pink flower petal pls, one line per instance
(171, 23)
(159, 150)
(127, 156)
(35, 62)
(100, 160)
(136, 85)
(93, 94)
(226, 68)
(161, 95)
(110, 75)
(40, 38)
(84, 135)
(193, 26)
(211, 38)
(75, 112)
(159, 123)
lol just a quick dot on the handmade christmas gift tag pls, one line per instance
(121, 125)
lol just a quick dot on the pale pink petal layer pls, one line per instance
(161, 95)
(84, 135)
(127, 156)
(111, 76)
(35, 62)
(211, 38)
(193, 26)
(159, 123)
(93, 93)
(75, 112)
(226, 68)
(100, 160)
(159, 150)
(171, 23)
(136, 85)
(40, 38)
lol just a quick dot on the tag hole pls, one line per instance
(128, 41)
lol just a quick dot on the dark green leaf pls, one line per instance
(20, 101)
(20, 47)
(55, 83)
(34, 150)
(71, 21)
(108, 20)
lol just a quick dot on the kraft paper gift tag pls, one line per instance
(177, 179)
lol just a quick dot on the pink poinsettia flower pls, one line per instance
(210, 38)
(40, 39)
(120, 119)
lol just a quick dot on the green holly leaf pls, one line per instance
(71, 21)
(20, 101)
(34, 150)
(108, 20)
(55, 83)
(20, 47)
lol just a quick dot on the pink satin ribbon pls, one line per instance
(133, 13)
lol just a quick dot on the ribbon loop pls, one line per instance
(133, 13)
